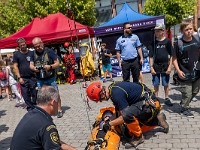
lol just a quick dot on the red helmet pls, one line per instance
(66, 44)
(93, 91)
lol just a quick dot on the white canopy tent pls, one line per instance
(6, 51)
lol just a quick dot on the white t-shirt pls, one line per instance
(11, 78)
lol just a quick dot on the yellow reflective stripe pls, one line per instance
(122, 90)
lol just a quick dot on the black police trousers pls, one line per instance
(29, 91)
(133, 66)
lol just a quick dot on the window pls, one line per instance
(122, 1)
(132, 4)
(103, 11)
(103, 15)
(103, 3)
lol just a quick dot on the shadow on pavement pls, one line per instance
(177, 88)
(3, 128)
(5, 143)
(173, 109)
(2, 113)
(64, 108)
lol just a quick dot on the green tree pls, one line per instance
(15, 14)
(84, 11)
(174, 10)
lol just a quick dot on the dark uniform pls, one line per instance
(36, 131)
(126, 96)
(28, 89)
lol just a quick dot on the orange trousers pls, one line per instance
(136, 129)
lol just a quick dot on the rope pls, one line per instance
(86, 104)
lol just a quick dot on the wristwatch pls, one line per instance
(50, 66)
(18, 78)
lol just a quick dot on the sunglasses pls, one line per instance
(102, 94)
(129, 28)
(20, 40)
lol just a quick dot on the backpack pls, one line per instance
(145, 51)
(180, 42)
(3, 74)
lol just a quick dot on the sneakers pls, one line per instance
(72, 82)
(17, 105)
(60, 114)
(187, 113)
(194, 99)
(135, 141)
(111, 79)
(168, 102)
(9, 99)
(162, 122)
(104, 80)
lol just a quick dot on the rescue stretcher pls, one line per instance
(100, 140)
(110, 140)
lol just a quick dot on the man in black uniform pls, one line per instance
(24, 74)
(36, 130)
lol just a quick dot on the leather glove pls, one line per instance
(106, 126)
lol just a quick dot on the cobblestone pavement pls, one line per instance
(75, 126)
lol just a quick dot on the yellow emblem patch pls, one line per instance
(50, 127)
(55, 138)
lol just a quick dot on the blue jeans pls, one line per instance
(48, 82)
(164, 77)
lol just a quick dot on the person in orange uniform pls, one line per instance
(70, 61)
(138, 107)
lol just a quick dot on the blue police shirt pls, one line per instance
(125, 94)
(128, 46)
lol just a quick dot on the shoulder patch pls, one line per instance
(55, 138)
(122, 41)
(50, 127)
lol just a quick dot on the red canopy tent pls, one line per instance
(55, 28)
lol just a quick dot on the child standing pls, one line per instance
(4, 79)
(160, 59)
(186, 61)
(106, 65)
(13, 83)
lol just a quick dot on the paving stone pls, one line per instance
(76, 124)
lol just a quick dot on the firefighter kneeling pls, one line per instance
(138, 107)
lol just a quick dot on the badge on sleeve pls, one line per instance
(55, 138)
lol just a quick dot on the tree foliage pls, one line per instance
(84, 11)
(174, 10)
(15, 14)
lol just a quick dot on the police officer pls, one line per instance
(43, 62)
(24, 74)
(36, 130)
(128, 48)
(138, 108)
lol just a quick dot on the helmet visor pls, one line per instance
(83, 50)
